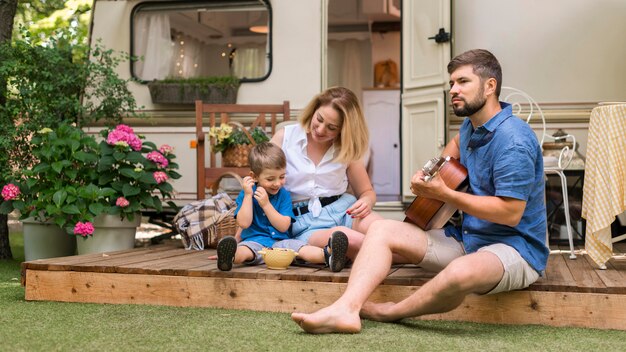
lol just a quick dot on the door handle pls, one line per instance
(441, 37)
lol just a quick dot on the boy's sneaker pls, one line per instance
(335, 251)
(226, 249)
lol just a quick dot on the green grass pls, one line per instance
(53, 326)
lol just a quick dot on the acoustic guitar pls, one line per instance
(431, 213)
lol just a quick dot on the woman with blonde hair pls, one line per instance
(325, 153)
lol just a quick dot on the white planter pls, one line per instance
(46, 240)
(111, 234)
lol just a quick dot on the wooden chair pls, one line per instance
(209, 177)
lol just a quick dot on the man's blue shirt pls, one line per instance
(503, 158)
(261, 230)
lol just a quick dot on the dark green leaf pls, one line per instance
(135, 157)
(131, 173)
(59, 197)
(129, 190)
(96, 209)
(119, 155)
(70, 209)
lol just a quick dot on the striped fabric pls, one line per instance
(604, 192)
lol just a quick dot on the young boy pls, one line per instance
(264, 212)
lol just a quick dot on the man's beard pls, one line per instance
(472, 107)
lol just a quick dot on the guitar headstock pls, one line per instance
(433, 166)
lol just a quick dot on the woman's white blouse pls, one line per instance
(305, 180)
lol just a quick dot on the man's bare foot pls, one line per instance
(377, 311)
(327, 320)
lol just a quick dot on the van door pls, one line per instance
(425, 56)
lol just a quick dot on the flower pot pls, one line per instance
(111, 234)
(180, 93)
(46, 240)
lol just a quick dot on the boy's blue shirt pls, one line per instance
(261, 230)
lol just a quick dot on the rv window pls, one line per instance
(200, 39)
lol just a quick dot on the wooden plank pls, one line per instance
(172, 265)
(110, 264)
(612, 277)
(557, 276)
(65, 263)
(408, 275)
(302, 273)
(587, 280)
(590, 310)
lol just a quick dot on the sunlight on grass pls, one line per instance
(56, 326)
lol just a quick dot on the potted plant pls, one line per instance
(213, 90)
(58, 193)
(235, 144)
(90, 189)
(50, 81)
(135, 174)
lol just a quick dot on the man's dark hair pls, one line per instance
(484, 65)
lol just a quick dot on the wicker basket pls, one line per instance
(237, 156)
(226, 227)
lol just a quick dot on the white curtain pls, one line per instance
(249, 61)
(350, 64)
(187, 57)
(153, 42)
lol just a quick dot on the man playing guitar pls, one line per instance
(500, 245)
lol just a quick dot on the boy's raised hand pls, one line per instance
(248, 183)
(261, 196)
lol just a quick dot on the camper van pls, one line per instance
(566, 54)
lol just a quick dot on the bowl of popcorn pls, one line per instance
(278, 258)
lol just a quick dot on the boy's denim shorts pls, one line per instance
(332, 215)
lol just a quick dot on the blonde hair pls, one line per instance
(266, 156)
(353, 138)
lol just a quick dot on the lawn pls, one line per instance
(52, 326)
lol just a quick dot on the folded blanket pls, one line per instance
(198, 221)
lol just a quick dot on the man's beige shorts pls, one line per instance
(442, 250)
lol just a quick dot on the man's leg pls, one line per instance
(473, 273)
(384, 238)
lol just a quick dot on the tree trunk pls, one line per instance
(7, 15)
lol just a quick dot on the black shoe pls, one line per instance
(226, 249)
(335, 251)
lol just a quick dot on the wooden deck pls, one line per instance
(572, 293)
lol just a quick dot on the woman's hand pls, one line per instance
(360, 209)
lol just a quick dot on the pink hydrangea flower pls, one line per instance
(83, 228)
(135, 142)
(10, 191)
(123, 135)
(160, 176)
(122, 202)
(124, 128)
(158, 159)
(166, 149)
